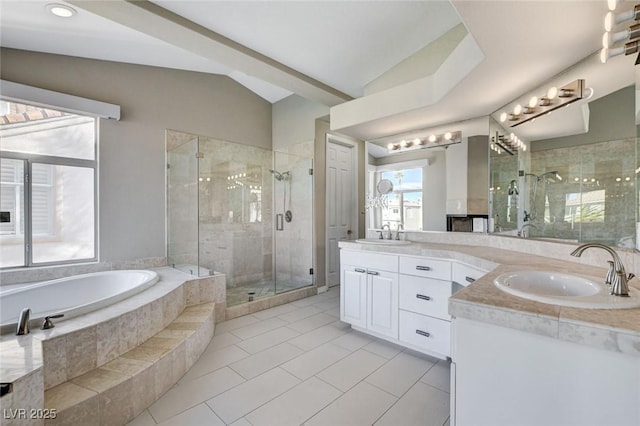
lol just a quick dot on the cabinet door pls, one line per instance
(382, 294)
(353, 296)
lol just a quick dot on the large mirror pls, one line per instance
(574, 176)
(419, 180)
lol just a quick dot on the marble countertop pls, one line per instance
(616, 330)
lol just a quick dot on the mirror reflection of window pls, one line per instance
(404, 203)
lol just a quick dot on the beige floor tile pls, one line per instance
(190, 394)
(220, 341)
(439, 376)
(353, 340)
(243, 399)
(307, 301)
(347, 372)
(314, 361)
(211, 361)
(241, 422)
(267, 340)
(399, 374)
(383, 348)
(311, 323)
(327, 304)
(422, 405)
(143, 419)
(235, 323)
(300, 313)
(257, 364)
(361, 406)
(258, 328)
(274, 312)
(295, 406)
(317, 337)
(199, 415)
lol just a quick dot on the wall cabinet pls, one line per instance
(403, 299)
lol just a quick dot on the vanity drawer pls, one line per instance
(429, 334)
(426, 267)
(425, 296)
(369, 260)
(465, 274)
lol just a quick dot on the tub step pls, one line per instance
(118, 391)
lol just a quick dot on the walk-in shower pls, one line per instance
(228, 206)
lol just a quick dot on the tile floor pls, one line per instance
(298, 364)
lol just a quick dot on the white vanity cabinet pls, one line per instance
(403, 299)
(425, 288)
(369, 292)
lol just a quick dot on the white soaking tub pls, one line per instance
(71, 296)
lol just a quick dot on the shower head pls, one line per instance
(553, 175)
(280, 176)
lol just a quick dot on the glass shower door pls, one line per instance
(182, 205)
(293, 231)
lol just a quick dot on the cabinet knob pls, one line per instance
(423, 333)
(423, 268)
(423, 297)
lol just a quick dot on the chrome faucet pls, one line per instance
(389, 228)
(398, 231)
(23, 322)
(522, 233)
(617, 275)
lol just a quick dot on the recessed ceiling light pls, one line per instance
(61, 10)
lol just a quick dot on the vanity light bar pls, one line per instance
(431, 141)
(554, 98)
(509, 144)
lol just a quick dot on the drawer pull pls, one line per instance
(423, 297)
(423, 333)
(423, 268)
(362, 271)
(373, 273)
(469, 279)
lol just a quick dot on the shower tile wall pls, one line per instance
(600, 174)
(293, 243)
(236, 225)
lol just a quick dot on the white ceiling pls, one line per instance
(324, 50)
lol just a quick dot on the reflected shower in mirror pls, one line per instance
(577, 179)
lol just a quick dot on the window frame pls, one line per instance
(28, 161)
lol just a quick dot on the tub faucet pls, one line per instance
(618, 277)
(524, 232)
(23, 322)
(398, 231)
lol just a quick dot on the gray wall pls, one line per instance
(132, 150)
(294, 120)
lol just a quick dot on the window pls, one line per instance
(404, 203)
(48, 186)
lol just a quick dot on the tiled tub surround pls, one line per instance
(45, 358)
(608, 329)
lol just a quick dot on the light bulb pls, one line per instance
(552, 93)
(606, 40)
(447, 136)
(517, 109)
(403, 143)
(61, 10)
(512, 136)
(608, 21)
(612, 4)
(503, 117)
(417, 141)
(390, 147)
(533, 102)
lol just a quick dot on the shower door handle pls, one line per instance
(279, 222)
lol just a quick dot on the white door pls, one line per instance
(341, 202)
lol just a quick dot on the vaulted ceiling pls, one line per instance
(329, 51)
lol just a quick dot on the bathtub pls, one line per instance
(71, 296)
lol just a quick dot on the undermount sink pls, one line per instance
(383, 242)
(558, 288)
